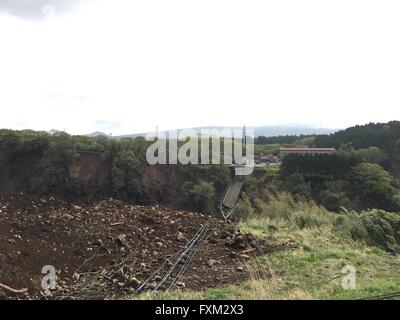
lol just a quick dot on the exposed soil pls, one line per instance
(90, 172)
(108, 249)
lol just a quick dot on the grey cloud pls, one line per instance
(36, 9)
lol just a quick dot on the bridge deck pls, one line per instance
(232, 194)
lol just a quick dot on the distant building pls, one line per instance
(284, 151)
(269, 158)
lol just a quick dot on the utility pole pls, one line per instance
(244, 142)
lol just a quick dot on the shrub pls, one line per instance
(333, 201)
(311, 217)
(296, 184)
(350, 225)
(243, 210)
(285, 210)
(374, 227)
(279, 206)
(383, 228)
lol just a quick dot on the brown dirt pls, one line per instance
(107, 249)
(90, 172)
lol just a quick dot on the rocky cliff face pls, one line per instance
(91, 172)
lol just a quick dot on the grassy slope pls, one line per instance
(313, 269)
(265, 148)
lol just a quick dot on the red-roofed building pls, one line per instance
(269, 158)
(285, 151)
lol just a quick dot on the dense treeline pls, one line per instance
(337, 177)
(288, 139)
(362, 174)
(320, 167)
(381, 135)
(384, 136)
(43, 163)
(365, 169)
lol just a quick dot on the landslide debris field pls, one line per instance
(107, 250)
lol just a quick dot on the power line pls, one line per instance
(186, 251)
(383, 296)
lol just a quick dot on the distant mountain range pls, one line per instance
(267, 131)
(271, 131)
(97, 134)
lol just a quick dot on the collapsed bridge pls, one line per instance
(231, 195)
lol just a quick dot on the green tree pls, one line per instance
(371, 155)
(296, 184)
(52, 175)
(200, 197)
(127, 175)
(333, 201)
(371, 180)
(243, 210)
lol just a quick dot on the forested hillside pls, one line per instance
(362, 174)
(91, 168)
(384, 136)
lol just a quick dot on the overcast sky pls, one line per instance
(125, 66)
